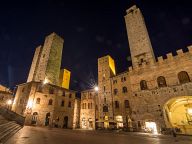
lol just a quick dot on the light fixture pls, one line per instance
(30, 104)
(96, 88)
(189, 111)
(9, 102)
(45, 81)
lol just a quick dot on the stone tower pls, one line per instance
(139, 42)
(47, 60)
(64, 78)
(106, 69)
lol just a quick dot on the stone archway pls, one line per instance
(148, 123)
(178, 114)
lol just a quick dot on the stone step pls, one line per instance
(5, 124)
(7, 127)
(8, 130)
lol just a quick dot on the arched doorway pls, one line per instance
(34, 118)
(65, 122)
(178, 114)
(47, 119)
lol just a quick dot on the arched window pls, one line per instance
(143, 85)
(115, 91)
(161, 81)
(50, 102)
(183, 77)
(124, 89)
(127, 104)
(105, 109)
(38, 101)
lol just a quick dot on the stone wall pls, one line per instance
(33, 101)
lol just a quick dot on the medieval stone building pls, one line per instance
(153, 94)
(44, 100)
(6, 97)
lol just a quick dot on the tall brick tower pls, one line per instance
(47, 60)
(106, 69)
(139, 42)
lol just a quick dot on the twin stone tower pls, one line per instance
(46, 63)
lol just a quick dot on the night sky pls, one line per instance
(90, 29)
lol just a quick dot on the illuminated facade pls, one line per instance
(6, 97)
(89, 110)
(64, 78)
(46, 99)
(153, 95)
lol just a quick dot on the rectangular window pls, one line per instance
(127, 104)
(63, 94)
(51, 91)
(115, 91)
(69, 104)
(114, 81)
(116, 104)
(62, 103)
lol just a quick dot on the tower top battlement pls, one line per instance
(131, 9)
(138, 37)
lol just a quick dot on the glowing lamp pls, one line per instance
(189, 111)
(9, 102)
(45, 81)
(96, 88)
(30, 104)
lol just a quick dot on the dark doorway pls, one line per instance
(65, 122)
(47, 119)
(34, 118)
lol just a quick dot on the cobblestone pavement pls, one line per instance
(37, 135)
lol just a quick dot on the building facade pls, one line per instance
(46, 104)
(6, 97)
(152, 95)
(43, 100)
(89, 109)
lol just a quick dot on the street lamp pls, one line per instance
(9, 102)
(96, 88)
(45, 81)
(189, 111)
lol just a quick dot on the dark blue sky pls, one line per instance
(90, 30)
